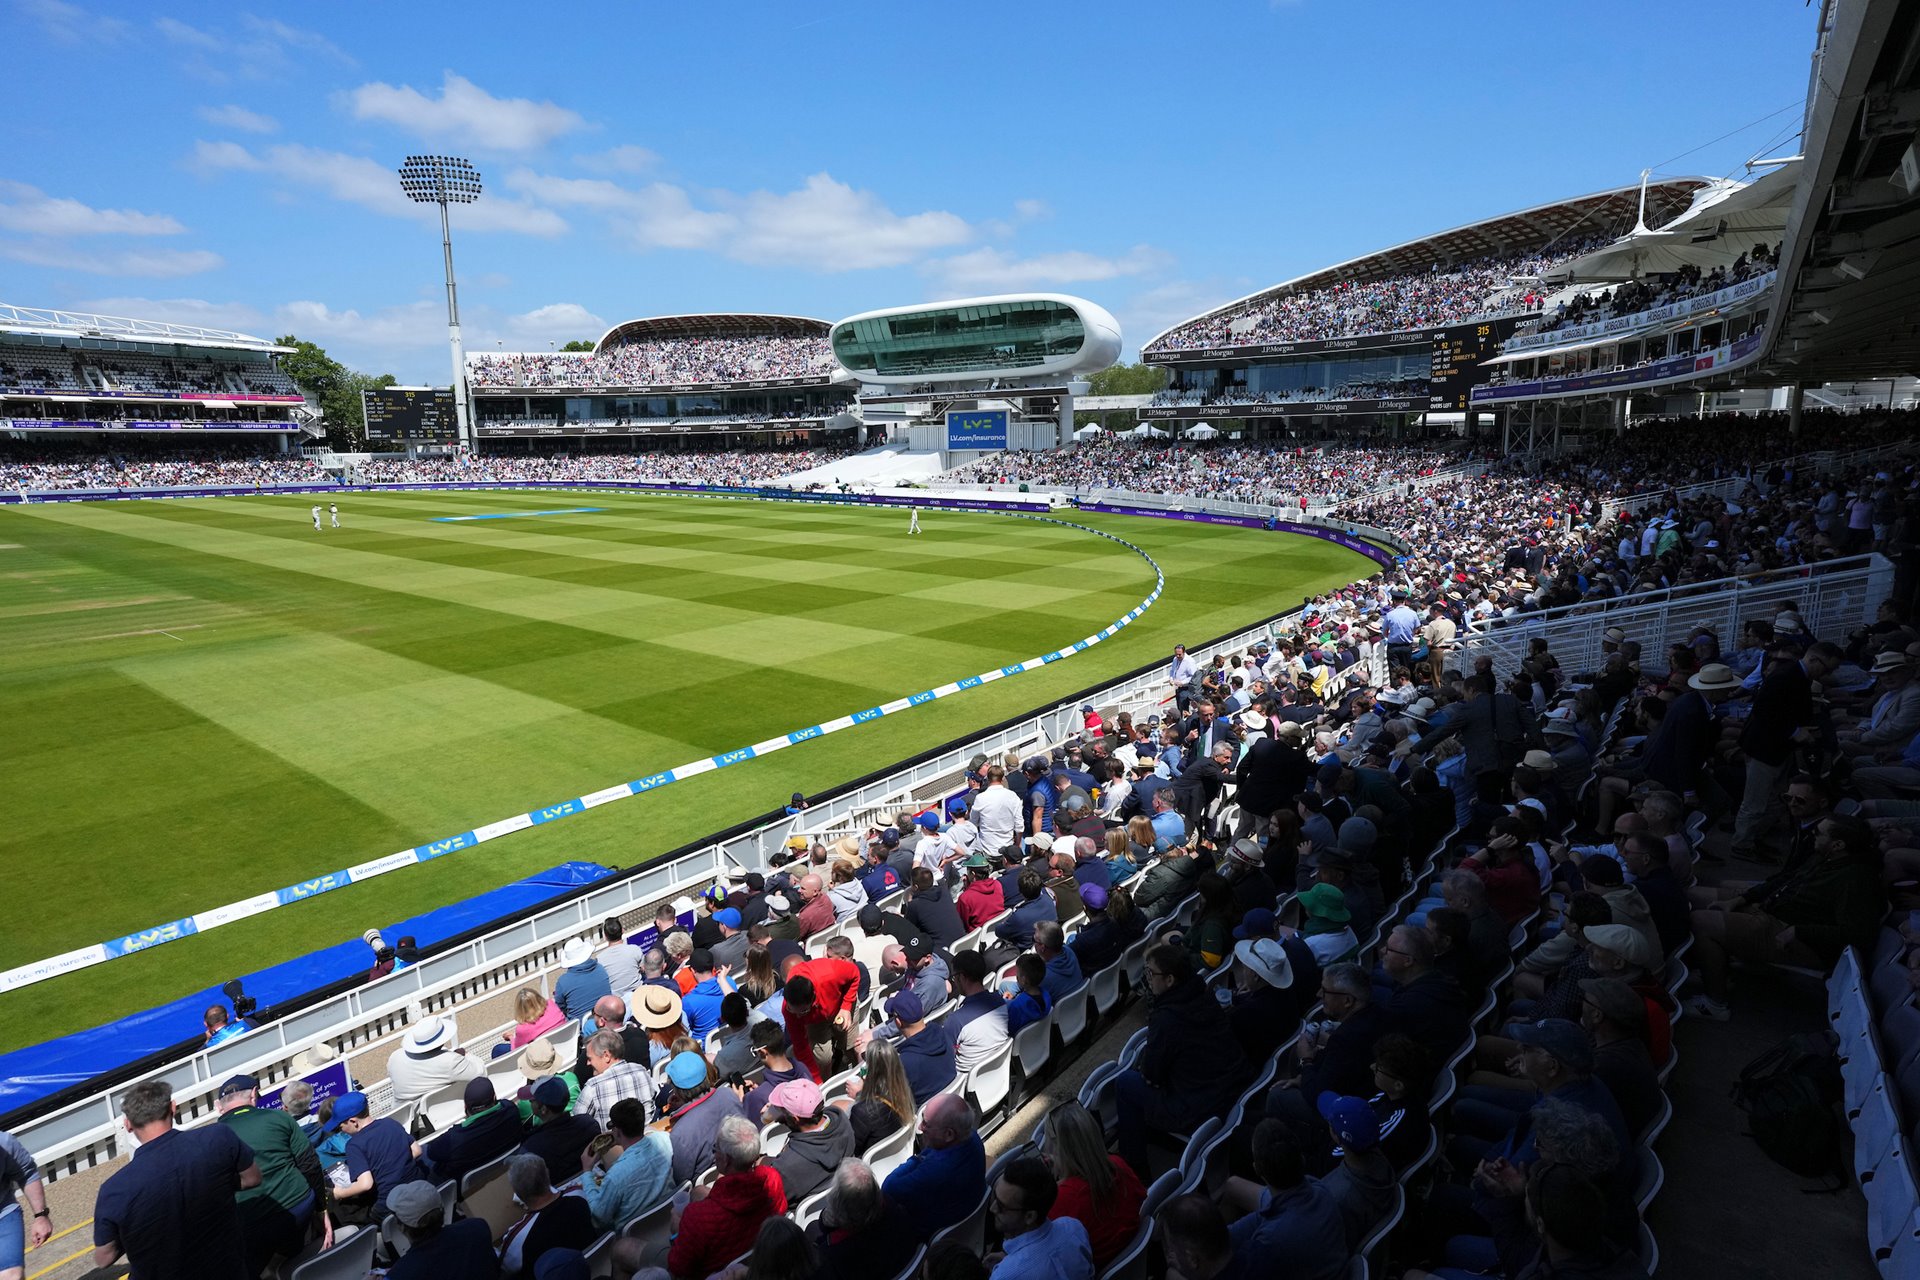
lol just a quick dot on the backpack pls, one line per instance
(1789, 1093)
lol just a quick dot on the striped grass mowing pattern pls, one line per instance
(208, 698)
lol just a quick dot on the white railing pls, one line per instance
(1624, 326)
(1833, 597)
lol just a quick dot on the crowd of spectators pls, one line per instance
(1239, 395)
(1279, 474)
(54, 465)
(1634, 296)
(1258, 837)
(732, 466)
(1492, 285)
(44, 369)
(659, 362)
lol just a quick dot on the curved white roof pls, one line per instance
(1099, 348)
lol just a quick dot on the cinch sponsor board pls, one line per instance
(976, 428)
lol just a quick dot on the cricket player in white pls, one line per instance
(333, 508)
(913, 526)
(316, 515)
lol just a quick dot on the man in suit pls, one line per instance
(1782, 707)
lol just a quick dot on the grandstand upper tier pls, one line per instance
(1495, 267)
(671, 352)
(71, 371)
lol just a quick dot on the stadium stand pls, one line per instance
(65, 464)
(672, 351)
(1534, 897)
(730, 466)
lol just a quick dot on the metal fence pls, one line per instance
(1833, 597)
(1820, 462)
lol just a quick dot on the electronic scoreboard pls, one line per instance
(411, 415)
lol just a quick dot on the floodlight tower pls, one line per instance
(445, 180)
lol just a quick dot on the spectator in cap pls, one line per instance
(733, 1048)
(490, 1128)
(978, 1026)
(1614, 1017)
(926, 1053)
(694, 1109)
(1556, 1058)
(1098, 942)
(429, 1057)
(437, 1249)
(275, 1214)
(1042, 797)
(931, 912)
(819, 1138)
(555, 1134)
(1363, 1182)
(379, 1157)
(553, 1222)
(780, 922)
(1170, 1086)
(730, 953)
(1063, 968)
(1273, 985)
(584, 981)
(1246, 871)
(981, 900)
(774, 1052)
(924, 970)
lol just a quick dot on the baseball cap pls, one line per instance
(798, 842)
(688, 1070)
(700, 959)
(1257, 923)
(869, 917)
(1093, 897)
(238, 1084)
(906, 1007)
(798, 1098)
(777, 904)
(1352, 1121)
(928, 821)
(411, 1202)
(552, 1091)
(918, 948)
(729, 917)
(479, 1093)
(1558, 1038)
(890, 837)
(348, 1106)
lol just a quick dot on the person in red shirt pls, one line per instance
(983, 898)
(1513, 883)
(1097, 1189)
(820, 995)
(721, 1225)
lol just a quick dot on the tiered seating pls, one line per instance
(1871, 1010)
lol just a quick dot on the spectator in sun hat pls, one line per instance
(430, 1058)
(584, 981)
(1324, 918)
(1270, 991)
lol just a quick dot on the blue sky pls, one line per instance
(233, 165)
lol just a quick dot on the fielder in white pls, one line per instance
(333, 509)
(913, 525)
(316, 516)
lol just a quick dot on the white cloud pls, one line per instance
(237, 316)
(272, 31)
(156, 263)
(1149, 312)
(233, 117)
(252, 47)
(369, 184)
(1032, 210)
(829, 226)
(624, 159)
(825, 225)
(192, 37)
(988, 270)
(463, 113)
(71, 24)
(30, 211)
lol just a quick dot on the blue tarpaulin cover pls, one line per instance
(27, 1075)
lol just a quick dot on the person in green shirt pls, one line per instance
(275, 1215)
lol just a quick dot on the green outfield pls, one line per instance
(205, 700)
